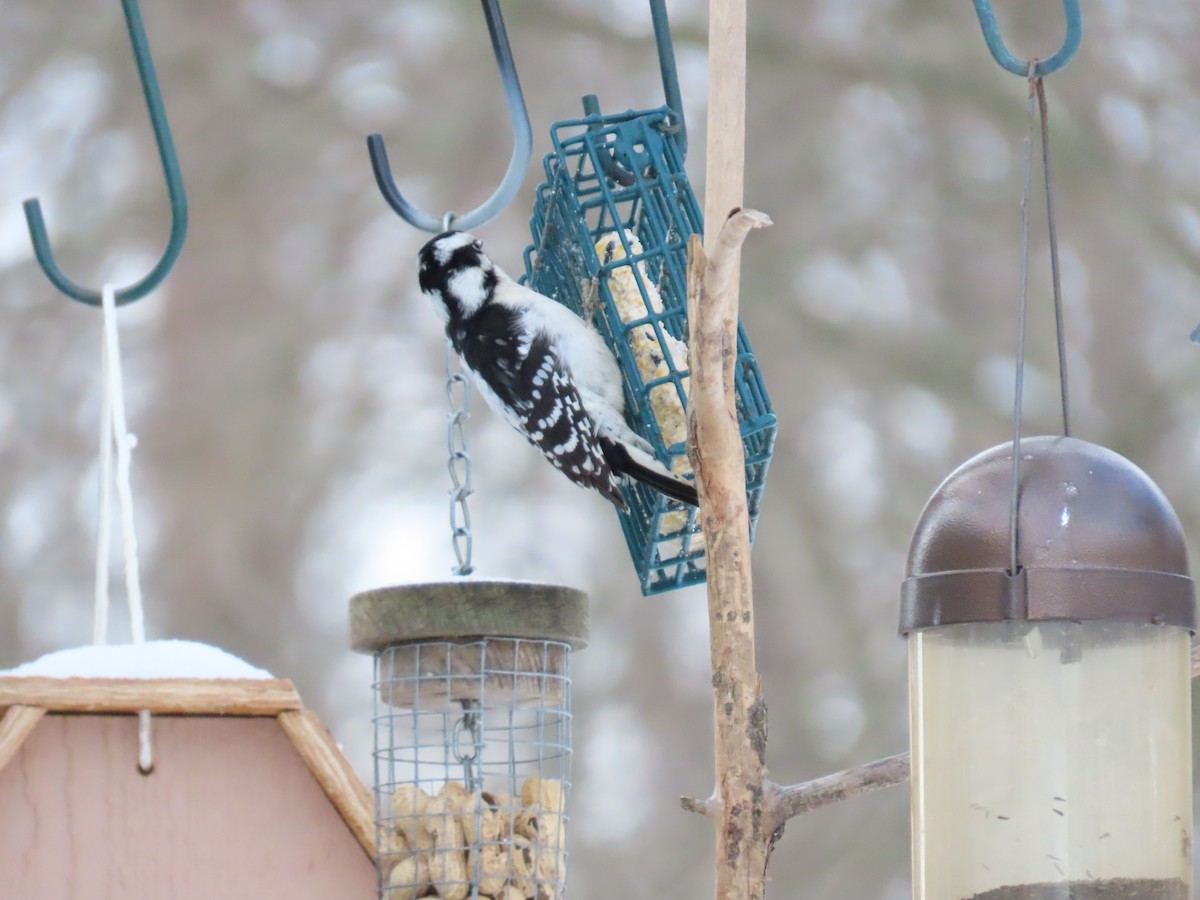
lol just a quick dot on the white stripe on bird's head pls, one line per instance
(455, 270)
(470, 288)
(445, 245)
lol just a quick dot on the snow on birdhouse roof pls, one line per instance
(153, 659)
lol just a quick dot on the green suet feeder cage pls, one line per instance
(610, 233)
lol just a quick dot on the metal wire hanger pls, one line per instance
(171, 172)
(517, 164)
(1033, 70)
(676, 125)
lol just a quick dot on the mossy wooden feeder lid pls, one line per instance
(468, 610)
(529, 627)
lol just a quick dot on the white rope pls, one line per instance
(104, 513)
(114, 433)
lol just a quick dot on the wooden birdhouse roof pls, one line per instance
(250, 795)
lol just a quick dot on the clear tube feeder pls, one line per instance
(1050, 707)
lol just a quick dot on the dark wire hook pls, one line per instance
(170, 166)
(676, 125)
(608, 163)
(995, 43)
(670, 77)
(517, 165)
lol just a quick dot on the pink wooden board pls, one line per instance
(230, 812)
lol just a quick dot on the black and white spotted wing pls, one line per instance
(523, 380)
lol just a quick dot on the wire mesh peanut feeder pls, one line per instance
(610, 231)
(472, 735)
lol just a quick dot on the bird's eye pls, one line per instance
(478, 245)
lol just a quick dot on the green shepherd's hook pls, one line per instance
(1000, 53)
(170, 165)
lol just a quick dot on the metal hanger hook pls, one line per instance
(170, 166)
(517, 165)
(670, 76)
(676, 125)
(995, 43)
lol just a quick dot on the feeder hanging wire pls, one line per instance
(1034, 111)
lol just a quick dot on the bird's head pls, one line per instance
(456, 274)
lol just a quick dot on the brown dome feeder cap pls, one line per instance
(465, 610)
(1096, 539)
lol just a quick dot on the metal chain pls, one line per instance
(458, 392)
(469, 727)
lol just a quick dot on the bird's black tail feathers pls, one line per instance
(623, 463)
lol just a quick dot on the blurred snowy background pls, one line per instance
(286, 383)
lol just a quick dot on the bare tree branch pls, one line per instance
(738, 805)
(796, 799)
(710, 808)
